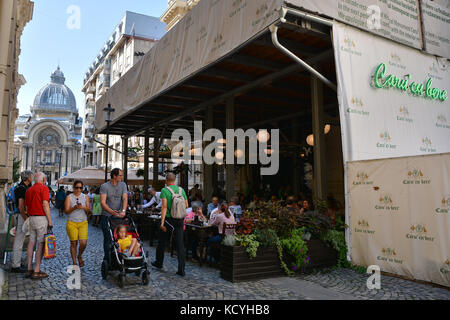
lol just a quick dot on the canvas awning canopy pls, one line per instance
(92, 176)
(267, 86)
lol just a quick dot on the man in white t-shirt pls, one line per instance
(155, 200)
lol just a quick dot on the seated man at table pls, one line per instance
(156, 200)
(213, 205)
(193, 212)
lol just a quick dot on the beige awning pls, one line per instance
(92, 176)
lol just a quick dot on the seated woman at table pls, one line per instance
(223, 216)
(196, 211)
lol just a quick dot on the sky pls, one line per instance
(52, 37)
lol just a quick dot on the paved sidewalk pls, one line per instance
(200, 283)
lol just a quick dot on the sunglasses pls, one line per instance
(80, 188)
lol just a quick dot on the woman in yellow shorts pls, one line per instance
(77, 208)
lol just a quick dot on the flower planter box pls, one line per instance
(236, 265)
(320, 255)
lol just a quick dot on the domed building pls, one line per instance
(50, 137)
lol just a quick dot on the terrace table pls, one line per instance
(202, 232)
(155, 222)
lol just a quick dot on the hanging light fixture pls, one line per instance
(263, 136)
(222, 141)
(219, 155)
(268, 151)
(310, 140)
(239, 153)
(327, 129)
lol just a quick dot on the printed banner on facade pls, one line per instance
(436, 25)
(393, 99)
(398, 18)
(400, 216)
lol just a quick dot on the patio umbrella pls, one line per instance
(92, 176)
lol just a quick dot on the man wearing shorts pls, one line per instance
(38, 209)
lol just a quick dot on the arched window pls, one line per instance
(49, 137)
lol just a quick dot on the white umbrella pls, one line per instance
(92, 176)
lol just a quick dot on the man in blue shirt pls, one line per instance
(213, 205)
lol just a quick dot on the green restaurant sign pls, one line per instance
(381, 80)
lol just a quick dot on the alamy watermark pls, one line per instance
(374, 281)
(263, 147)
(74, 20)
(374, 19)
(74, 280)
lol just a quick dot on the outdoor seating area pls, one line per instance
(269, 238)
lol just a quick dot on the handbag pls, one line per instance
(50, 245)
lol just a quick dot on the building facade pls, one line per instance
(49, 139)
(176, 10)
(14, 15)
(132, 38)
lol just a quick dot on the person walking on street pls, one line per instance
(96, 208)
(77, 207)
(60, 198)
(38, 209)
(114, 202)
(19, 194)
(171, 225)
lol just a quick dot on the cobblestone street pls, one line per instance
(200, 283)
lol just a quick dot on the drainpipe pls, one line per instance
(274, 29)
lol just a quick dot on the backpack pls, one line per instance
(11, 207)
(178, 210)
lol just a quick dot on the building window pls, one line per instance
(56, 175)
(38, 156)
(58, 157)
(48, 156)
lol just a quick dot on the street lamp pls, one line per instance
(60, 162)
(108, 113)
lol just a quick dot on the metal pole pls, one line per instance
(60, 163)
(125, 159)
(107, 151)
(146, 156)
(274, 29)
(229, 168)
(320, 176)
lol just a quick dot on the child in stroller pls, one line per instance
(128, 245)
(126, 253)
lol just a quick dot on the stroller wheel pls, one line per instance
(121, 280)
(104, 269)
(145, 277)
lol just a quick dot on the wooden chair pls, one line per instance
(228, 229)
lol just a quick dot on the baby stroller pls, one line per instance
(120, 261)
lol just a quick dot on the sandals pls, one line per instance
(80, 262)
(39, 275)
(28, 274)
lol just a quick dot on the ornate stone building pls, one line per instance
(50, 137)
(176, 10)
(14, 15)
